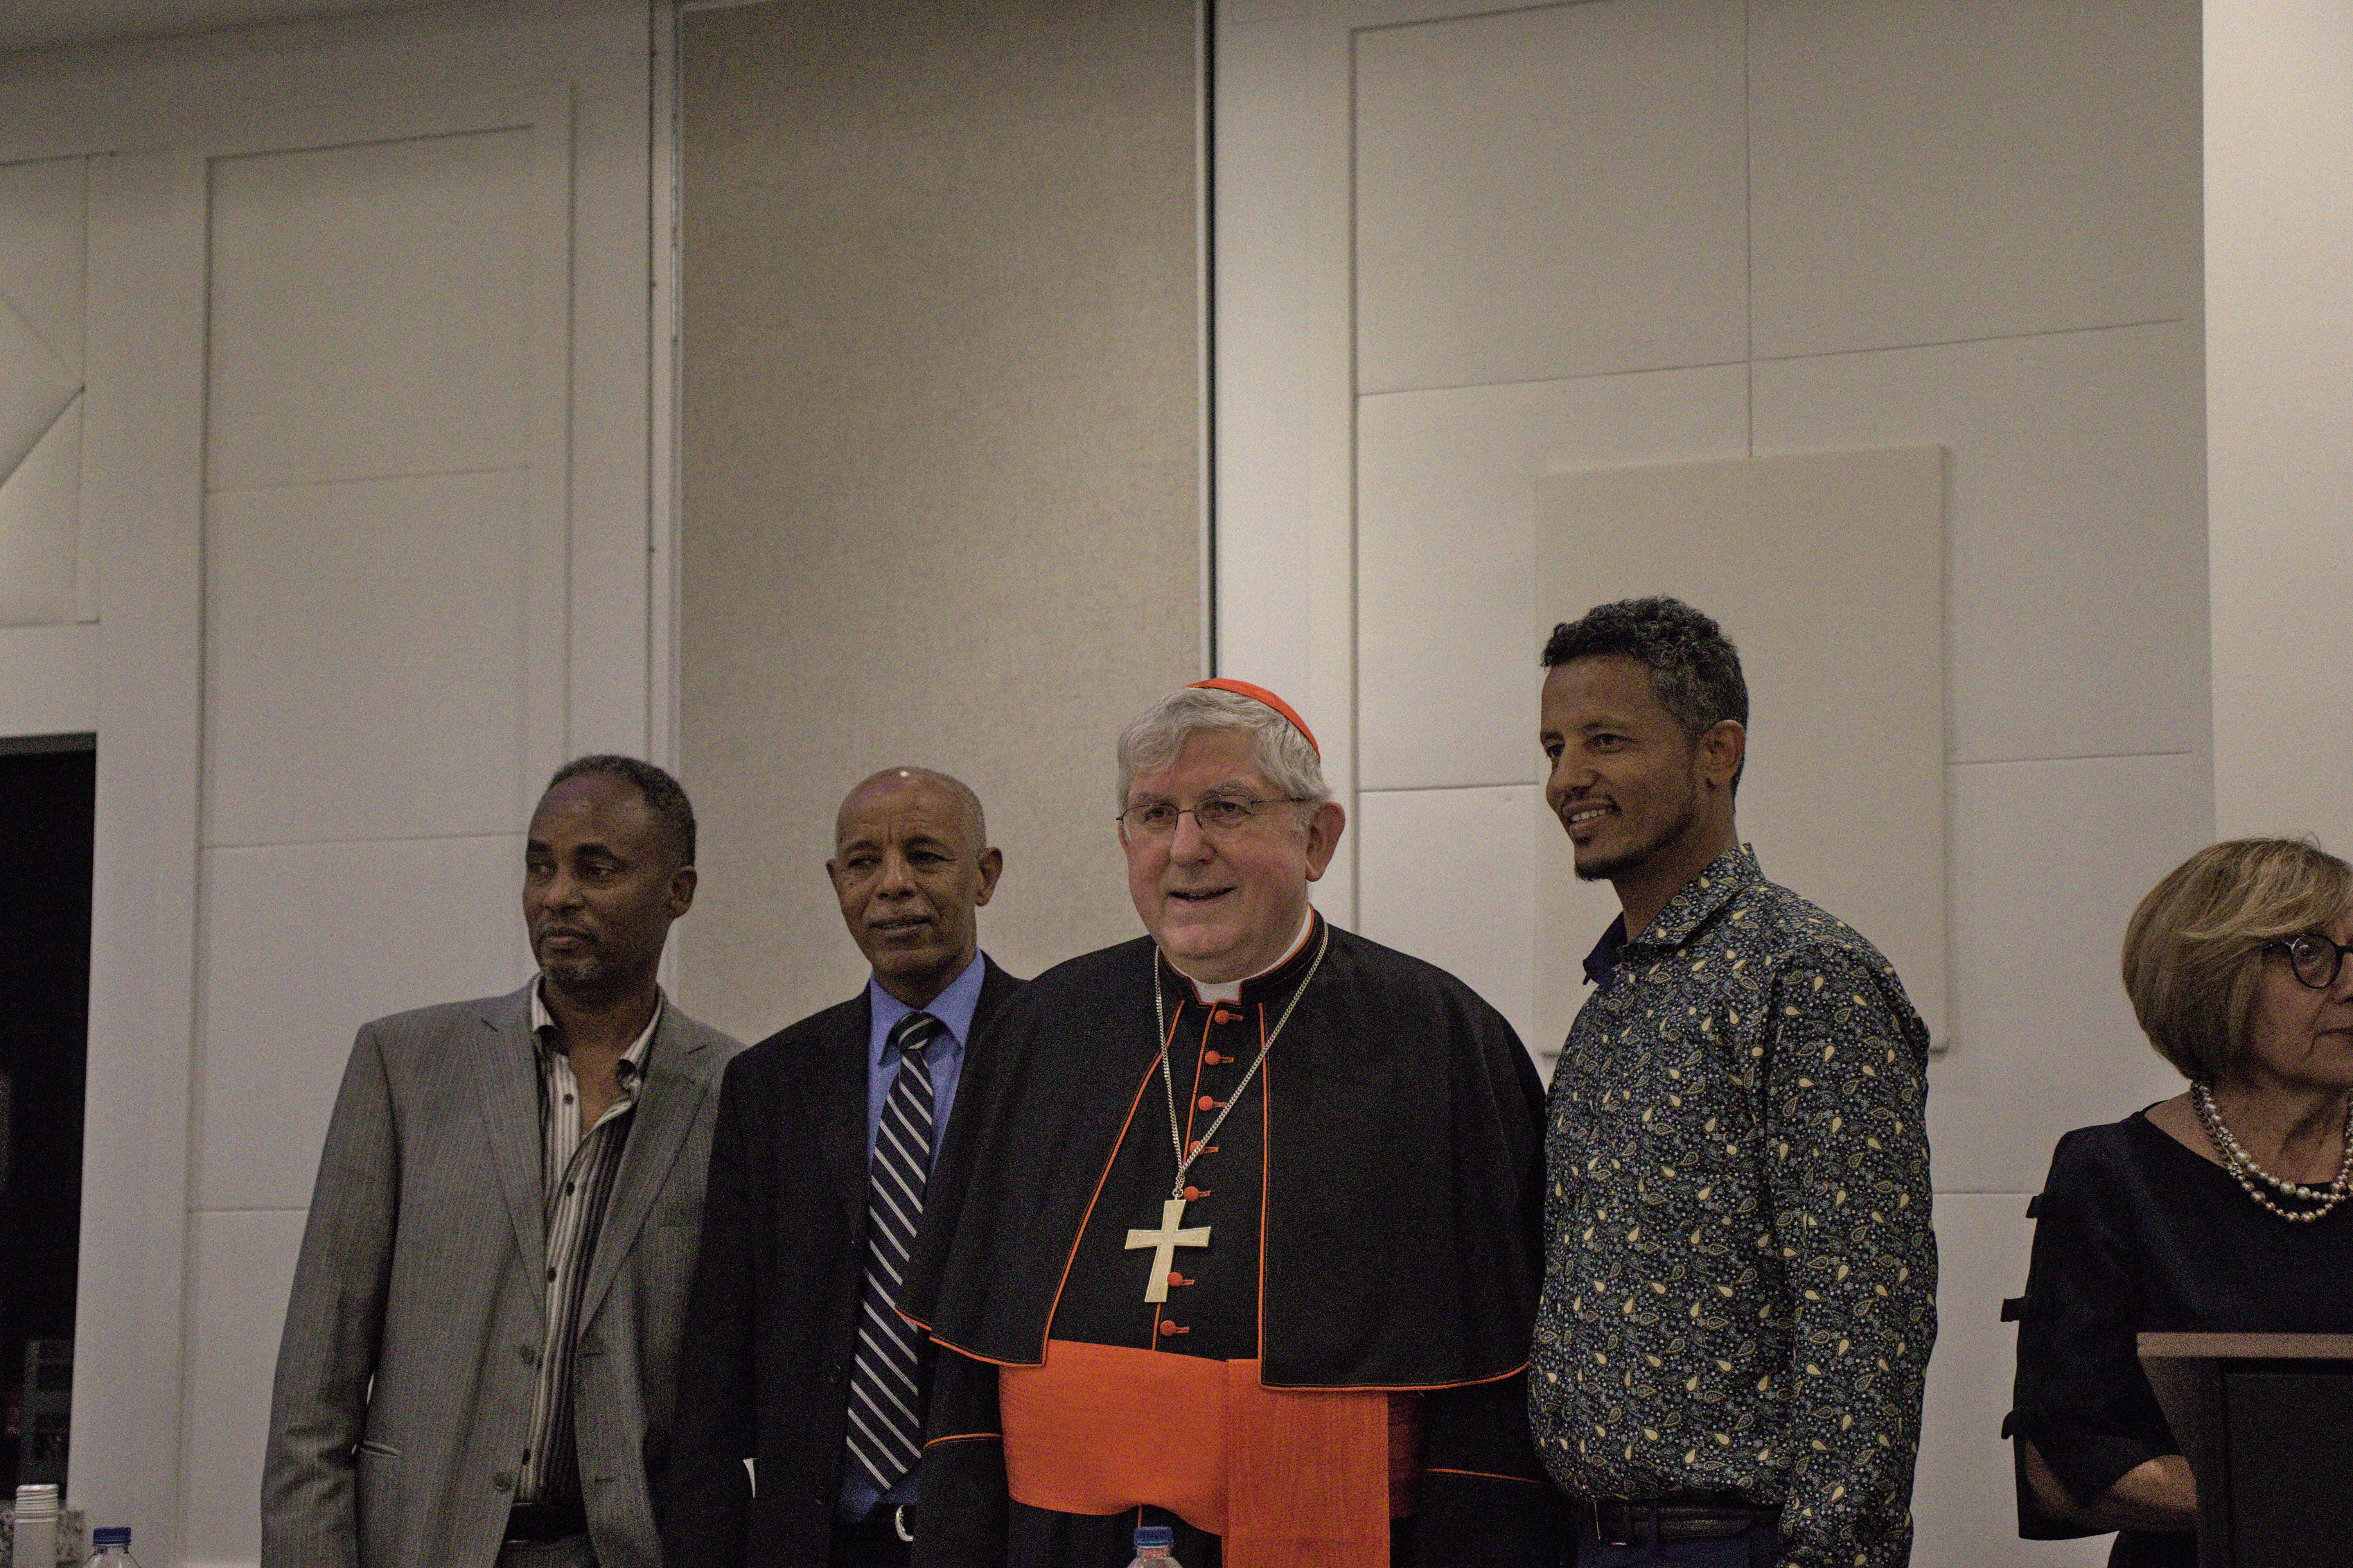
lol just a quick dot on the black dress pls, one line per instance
(2135, 1232)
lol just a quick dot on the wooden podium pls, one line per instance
(2266, 1422)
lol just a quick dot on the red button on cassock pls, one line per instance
(1213, 1058)
(1194, 1194)
(1205, 1103)
(1167, 1328)
(1177, 1280)
(1222, 1017)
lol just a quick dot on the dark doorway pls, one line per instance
(47, 814)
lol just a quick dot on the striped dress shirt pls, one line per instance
(576, 1171)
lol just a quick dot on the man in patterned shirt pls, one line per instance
(1740, 1290)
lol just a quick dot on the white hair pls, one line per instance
(1277, 748)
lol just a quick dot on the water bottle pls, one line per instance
(1155, 1545)
(113, 1548)
(33, 1539)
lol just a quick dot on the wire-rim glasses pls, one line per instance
(1217, 814)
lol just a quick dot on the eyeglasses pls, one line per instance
(1218, 814)
(2315, 958)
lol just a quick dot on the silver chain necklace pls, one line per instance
(1168, 1080)
(2243, 1164)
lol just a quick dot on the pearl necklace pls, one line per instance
(2242, 1165)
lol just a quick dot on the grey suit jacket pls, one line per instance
(406, 1372)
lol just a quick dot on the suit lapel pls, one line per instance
(676, 1080)
(506, 1084)
(834, 1094)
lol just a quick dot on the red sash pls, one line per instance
(1288, 1477)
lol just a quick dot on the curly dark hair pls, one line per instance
(1695, 669)
(664, 796)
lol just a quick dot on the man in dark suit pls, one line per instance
(793, 1358)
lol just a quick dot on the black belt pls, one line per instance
(532, 1522)
(1679, 1516)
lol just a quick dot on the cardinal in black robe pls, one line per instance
(1247, 1242)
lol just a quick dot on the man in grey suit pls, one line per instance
(480, 1350)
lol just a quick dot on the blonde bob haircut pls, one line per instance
(2194, 949)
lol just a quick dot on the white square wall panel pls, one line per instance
(1926, 171)
(367, 673)
(301, 945)
(1446, 484)
(241, 1268)
(1964, 1507)
(1550, 193)
(2077, 528)
(372, 309)
(2049, 861)
(1827, 572)
(1443, 873)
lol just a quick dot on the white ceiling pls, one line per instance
(43, 24)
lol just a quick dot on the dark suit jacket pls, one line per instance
(763, 1365)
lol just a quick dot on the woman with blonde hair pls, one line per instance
(2223, 1209)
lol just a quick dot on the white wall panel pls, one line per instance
(1925, 171)
(40, 528)
(44, 242)
(2077, 525)
(241, 1268)
(1828, 571)
(1550, 193)
(1964, 1508)
(367, 659)
(301, 944)
(2049, 859)
(1444, 875)
(372, 309)
(1446, 551)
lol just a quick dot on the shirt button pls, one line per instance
(528, 1354)
(1215, 1059)
(1194, 1194)
(1205, 1103)
(504, 1481)
(1177, 1280)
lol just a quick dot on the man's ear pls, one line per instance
(1722, 750)
(682, 883)
(992, 865)
(1324, 825)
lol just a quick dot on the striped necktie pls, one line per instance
(886, 1428)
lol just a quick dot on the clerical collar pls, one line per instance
(1231, 990)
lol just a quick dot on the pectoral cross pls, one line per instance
(1163, 1243)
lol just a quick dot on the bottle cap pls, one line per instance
(1154, 1535)
(108, 1535)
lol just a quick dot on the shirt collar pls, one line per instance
(1719, 881)
(954, 1008)
(542, 1031)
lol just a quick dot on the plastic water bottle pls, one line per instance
(33, 1541)
(113, 1548)
(1155, 1545)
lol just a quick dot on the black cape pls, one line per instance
(1401, 1126)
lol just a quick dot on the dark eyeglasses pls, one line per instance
(2315, 958)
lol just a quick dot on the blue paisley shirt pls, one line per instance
(1740, 1280)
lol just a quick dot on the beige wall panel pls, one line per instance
(241, 1268)
(1964, 1507)
(1444, 875)
(366, 659)
(1551, 192)
(2077, 527)
(1446, 542)
(372, 311)
(1829, 572)
(2049, 859)
(941, 458)
(40, 527)
(1928, 171)
(44, 240)
(297, 951)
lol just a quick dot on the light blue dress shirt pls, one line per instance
(954, 1008)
